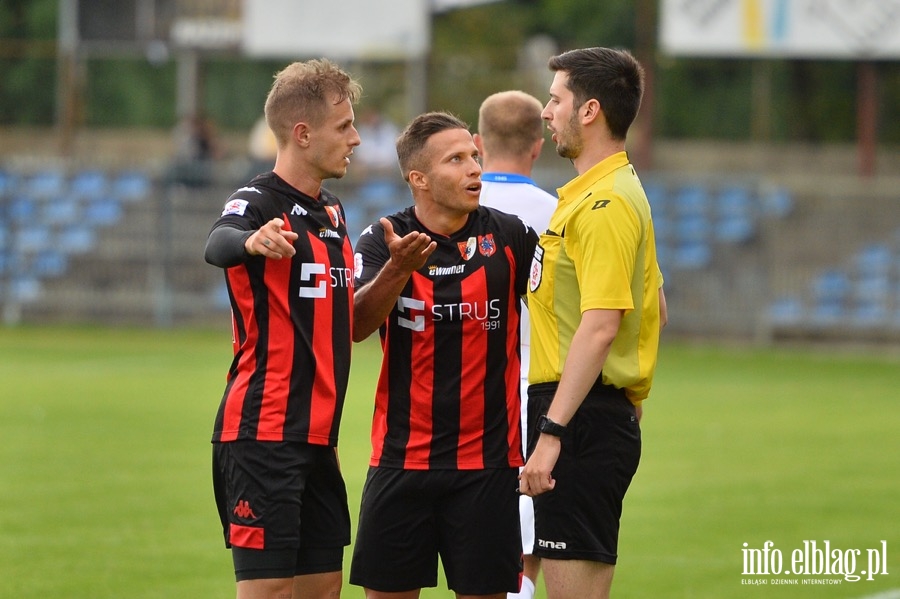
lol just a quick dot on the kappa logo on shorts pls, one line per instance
(243, 510)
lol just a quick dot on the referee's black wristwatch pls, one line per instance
(545, 425)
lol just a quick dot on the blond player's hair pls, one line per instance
(301, 92)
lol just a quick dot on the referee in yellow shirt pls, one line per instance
(596, 306)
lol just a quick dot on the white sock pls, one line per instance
(527, 591)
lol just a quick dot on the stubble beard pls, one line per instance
(570, 143)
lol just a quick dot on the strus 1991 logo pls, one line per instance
(812, 562)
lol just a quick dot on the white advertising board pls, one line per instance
(850, 29)
(336, 29)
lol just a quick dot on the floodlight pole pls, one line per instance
(67, 74)
(866, 116)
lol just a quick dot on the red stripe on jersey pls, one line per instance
(322, 402)
(382, 393)
(237, 392)
(279, 351)
(421, 388)
(470, 455)
(513, 368)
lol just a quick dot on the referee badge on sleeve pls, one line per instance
(537, 268)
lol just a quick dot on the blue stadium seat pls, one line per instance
(662, 227)
(131, 185)
(874, 260)
(382, 195)
(693, 228)
(873, 288)
(830, 295)
(8, 183)
(24, 289)
(219, 297)
(49, 263)
(691, 200)
(831, 286)
(103, 211)
(65, 209)
(734, 200)
(692, 255)
(663, 254)
(46, 184)
(735, 228)
(22, 209)
(76, 239)
(786, 310)
(777, 202)
(89, 183)
(357, 219)
(33, 239)
(657, 195)
(870, 314)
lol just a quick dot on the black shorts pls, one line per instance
(283, 507)
(468, 517)
(600, 452)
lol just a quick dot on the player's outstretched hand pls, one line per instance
(408, 253)
(272, 241)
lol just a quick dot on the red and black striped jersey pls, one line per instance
(448, 392)
(292, 320)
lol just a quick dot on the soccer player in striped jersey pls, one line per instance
(442, 282)
(282, 242)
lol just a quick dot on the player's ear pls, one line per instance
(479, 143)
(300, 134)
(418, 179)
(590, 110)
(536, 148)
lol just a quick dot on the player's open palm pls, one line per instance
(408, 253)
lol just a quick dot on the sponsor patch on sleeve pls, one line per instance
(235, 207)
(357, 265)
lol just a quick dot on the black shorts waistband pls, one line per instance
(598, 390)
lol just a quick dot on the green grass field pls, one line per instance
(104, 466)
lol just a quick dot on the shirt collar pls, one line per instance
(507, 178)
(580, 184)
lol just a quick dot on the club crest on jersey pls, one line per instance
(334, 214)
(537, 269)
(467, 248)
(235, 207)
(486, 245)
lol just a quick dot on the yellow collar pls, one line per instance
(580, 184)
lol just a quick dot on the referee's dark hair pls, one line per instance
(611, 76)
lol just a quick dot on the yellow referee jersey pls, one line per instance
(598, 253)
